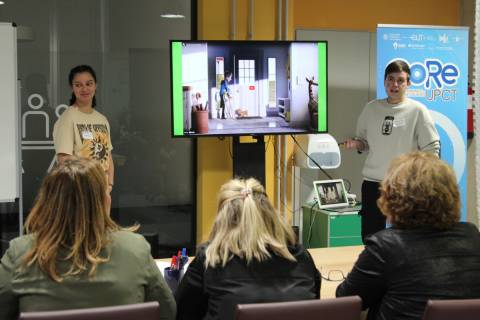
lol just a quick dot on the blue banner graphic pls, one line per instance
(438, 59)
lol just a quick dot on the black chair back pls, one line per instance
(468, 309)
(346, 308)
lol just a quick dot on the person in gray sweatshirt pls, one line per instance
(387, 128)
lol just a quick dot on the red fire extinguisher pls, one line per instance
(470, 113)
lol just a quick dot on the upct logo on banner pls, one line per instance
(436, 77)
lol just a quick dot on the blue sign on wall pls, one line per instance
(438, 59)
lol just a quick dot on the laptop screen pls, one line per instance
(330, 193)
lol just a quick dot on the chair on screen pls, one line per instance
(468, 309)
(346, 308)
(144, 311)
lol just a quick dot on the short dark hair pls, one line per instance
(397, 66)
(80, 69)
(228, 73)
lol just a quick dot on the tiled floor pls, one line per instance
(251, 125)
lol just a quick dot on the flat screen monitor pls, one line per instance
(331, 193)
(236, 88)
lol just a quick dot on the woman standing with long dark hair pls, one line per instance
(81, 130)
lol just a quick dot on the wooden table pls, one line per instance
(326, 260)
(336, 261)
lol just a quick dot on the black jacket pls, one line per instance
(399, 270)
(213, 293)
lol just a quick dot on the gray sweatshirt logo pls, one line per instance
(387, 125)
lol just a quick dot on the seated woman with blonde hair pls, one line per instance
(74, 255)
(426, 254)
(251, 256)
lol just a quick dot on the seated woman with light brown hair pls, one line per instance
(426, 254)
(74, 255)
(251, 256)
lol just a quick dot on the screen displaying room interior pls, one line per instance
(248, 87)
(331, 193)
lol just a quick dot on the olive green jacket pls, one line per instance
(130, 276)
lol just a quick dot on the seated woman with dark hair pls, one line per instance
(427, 254)
(251, 256)
(74, 255)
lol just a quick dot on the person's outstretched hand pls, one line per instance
(353, 144)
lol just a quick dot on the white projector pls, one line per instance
(322, 148)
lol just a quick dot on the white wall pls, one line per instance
(303, 64)
(195, 69)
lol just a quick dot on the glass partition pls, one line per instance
(126, 42)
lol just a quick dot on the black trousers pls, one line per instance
(372, 218)
(222, 106)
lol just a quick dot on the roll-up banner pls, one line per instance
(438, 59)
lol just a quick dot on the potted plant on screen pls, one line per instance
(199, 114)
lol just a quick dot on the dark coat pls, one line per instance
(399, 270)
(213, 293)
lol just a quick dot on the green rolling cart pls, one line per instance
(331, 227)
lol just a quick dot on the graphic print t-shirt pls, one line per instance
(83, 134)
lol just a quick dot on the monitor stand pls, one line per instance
(249, 159)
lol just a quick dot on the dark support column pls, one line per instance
(249, 159)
